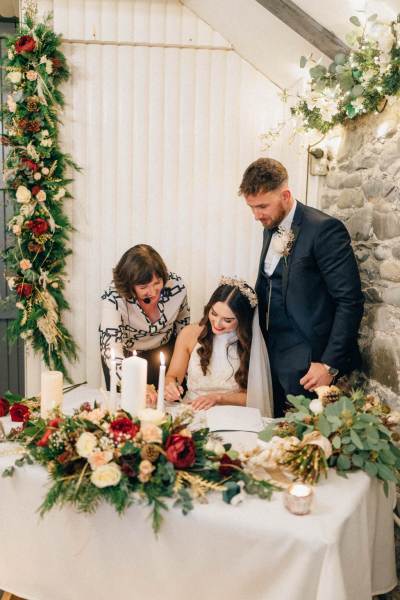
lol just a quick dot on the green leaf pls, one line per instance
(8, 472)
(231, 490)
(357, 91)
(323, 426)
(267, 433)
(355, 21)
(372, 17)
(303, 62)
(386, 473)
(357, 460)
(340, 58)
(128, 448)
(335, 422)
(386, 456)
(343, 463)
(371, 468)
(355, 438)
(336, 442)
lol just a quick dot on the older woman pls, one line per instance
(143, 309)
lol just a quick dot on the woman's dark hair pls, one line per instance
(137, 266)
(241, 308)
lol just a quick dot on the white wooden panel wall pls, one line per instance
(163, 135)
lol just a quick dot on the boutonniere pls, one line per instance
(282, 242)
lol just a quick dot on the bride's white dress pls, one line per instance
(220, 376)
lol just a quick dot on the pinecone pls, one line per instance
(32, 104)
(328, 394)
(150, 452)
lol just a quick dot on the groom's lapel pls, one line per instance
(297, 218)
(266, 242)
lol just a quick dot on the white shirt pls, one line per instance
(272, 258)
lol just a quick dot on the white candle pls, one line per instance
(112, 405)
(51, 394)
(298, 498)
(161, 384)
(133, 384)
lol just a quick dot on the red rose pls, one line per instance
(19, 413)
(25, 43)
(4, 407)
(24, 289)
(180, 450)
(38, 226)
(227, 464)
(30, 164)
(35, 189)
(125, 426)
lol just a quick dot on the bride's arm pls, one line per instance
(184, 345)
(209, 400)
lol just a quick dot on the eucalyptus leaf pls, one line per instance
(387, 457)
(324, 426)
(355, 438)
(343, 462)
(371, 468)
(372, 17)
(340, 58)
(385, 472)
(355, 21)
(336, 442)
(357, 91)
(357, 460)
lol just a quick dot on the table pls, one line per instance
(343, 550)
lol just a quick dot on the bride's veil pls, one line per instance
(259, 384)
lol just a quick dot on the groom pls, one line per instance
(308, 286)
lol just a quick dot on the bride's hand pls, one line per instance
(173, 392)
(205, 402)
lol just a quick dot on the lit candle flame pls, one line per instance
(134, 353)
(162, 359)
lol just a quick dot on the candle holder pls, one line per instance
(298, 498)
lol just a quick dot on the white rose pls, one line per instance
(316, 406)
(215, 446)
(11, 282)
(11, 104)
(41, 196)
(106, 475)
(37, 176)
(14, 76)
(45, 171)
(100, 458)
(27, 210)
(23, 194)
(151, 415)
(86, 443)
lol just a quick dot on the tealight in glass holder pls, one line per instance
(298, 498)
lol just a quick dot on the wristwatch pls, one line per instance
(331, 370)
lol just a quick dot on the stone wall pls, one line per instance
(362, 188)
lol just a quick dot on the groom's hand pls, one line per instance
(316, 375)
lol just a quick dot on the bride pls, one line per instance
(223, 356)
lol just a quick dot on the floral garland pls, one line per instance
(96, 456)
(35, 179)
(356, 83)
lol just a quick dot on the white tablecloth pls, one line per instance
(343, 550)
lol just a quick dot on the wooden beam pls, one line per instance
(298, 20)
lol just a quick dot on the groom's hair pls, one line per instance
(263, 175)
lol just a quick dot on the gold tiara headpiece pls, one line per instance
(244, 288)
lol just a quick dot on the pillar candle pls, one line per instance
(133, 384)
(161, 384)
(51, 394)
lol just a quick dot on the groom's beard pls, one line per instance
(274, 222)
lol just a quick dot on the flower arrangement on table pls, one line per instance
(36, 182)
(356, 83)
(94, 455)
(345, 432)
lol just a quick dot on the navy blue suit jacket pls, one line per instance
(321, 288)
